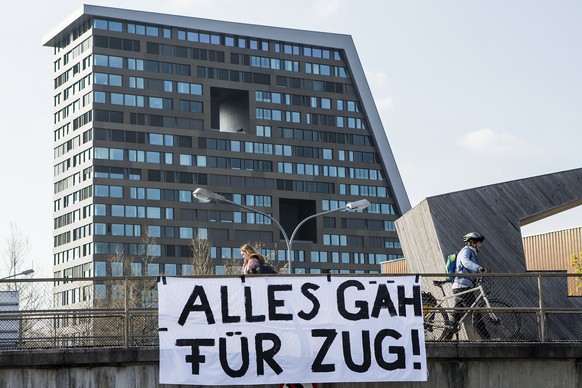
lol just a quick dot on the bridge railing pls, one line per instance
(532, 307)
(122, 312)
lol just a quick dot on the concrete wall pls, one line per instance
(453, 365)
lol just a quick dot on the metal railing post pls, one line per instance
(126, 316)
(542, 313)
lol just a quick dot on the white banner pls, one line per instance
(290, 329)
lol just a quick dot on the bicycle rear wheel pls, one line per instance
(495, 324)
(436, 323)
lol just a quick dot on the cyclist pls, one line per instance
(467, 262)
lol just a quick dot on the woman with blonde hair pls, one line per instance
(252, 259)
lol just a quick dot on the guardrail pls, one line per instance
(533, 307)
(122, 312)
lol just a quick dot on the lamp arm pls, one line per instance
(264, 214)
(303, 222)
(207, 196)
(313, 216)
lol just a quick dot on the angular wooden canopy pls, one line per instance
(434, 228)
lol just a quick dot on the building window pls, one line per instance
(100, 268)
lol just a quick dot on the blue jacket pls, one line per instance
(467, 262)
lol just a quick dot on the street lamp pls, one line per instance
(25, 272)
(356, 205)
(206, 196)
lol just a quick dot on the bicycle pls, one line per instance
(485, 314)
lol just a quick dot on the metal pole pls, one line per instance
(126, 316)
(542, 317)
(287, 242)
(25, 272)
(303, 222)
(207, 196)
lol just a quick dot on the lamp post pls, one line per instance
(356, 205)
(25, 272)
(204, 195)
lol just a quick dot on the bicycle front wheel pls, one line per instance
(494, 324)
(436, 323)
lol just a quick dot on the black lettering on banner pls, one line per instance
(329, 335)
(306, 289)
(274, 303)
(197, 292)
(383, 301)
(267, 355)
(249, 308)
(415, 342)
(347, 348)
(195, 358)
(226, 318)
(223, 355)
(415, 348)
(400, 362)
(415, 301)
(341, 301)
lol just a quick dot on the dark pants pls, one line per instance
(465, 301)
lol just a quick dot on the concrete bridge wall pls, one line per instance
(451, 365)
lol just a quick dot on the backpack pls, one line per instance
(451, 267)
(264, 269)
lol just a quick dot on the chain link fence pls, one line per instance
(123, 312)
(63, 313)
(530, 307)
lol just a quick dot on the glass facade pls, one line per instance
(144, 113)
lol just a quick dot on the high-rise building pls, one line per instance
(149, 107)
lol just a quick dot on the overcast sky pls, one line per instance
(470, 92)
